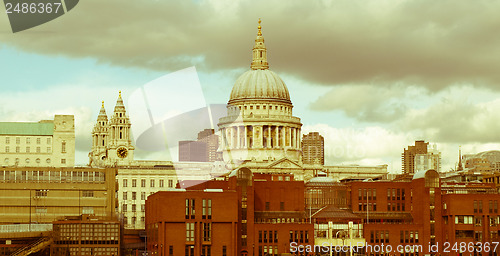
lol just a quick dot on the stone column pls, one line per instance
(276, 132)
(238, 137)
(245, 141)
(283, 136)
(289, 129)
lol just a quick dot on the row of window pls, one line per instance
(28, 140)
(393, 207)
(52, 176)
(28, 160)
(134, 195)
(44, 210)
(299, 236)
(207, 231)
(206, 212)
(367, 194)
(268, 236)
(408, 236)
(370, 194)
(134, 208)
(28, 150)
(45, 192)
(268, 250)
(379, 236)
(206, 250)
(152, 183)
(133, 220)
(492, 206)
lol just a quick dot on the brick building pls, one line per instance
(244, 214)
(412, 215)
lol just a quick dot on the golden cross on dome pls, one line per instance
(259, 27)
(102, 103)
(120, 94)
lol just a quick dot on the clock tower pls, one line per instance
(111, 144)
(120, 151)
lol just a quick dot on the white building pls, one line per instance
(259, 125)
(39, 144)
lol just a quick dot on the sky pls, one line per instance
(371, 76)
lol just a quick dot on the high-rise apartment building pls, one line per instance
(313, 148)
(192, 151)
(421, 156)
(212, 142)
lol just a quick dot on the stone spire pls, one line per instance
(102, 112)
(460, 167)
(119, 107)
(259, 60)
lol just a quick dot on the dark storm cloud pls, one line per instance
(427, 43)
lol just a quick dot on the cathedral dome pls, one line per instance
(260, 84)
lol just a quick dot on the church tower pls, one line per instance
(111, 142)
(100, 136)
(120, 149)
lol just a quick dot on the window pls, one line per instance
(207, 209)
(17, 149)
(41, 210)
(134, 219)
(87, 193)
(268, 204)
(143, 219)
(143, 183)
(38, 140)
(170, 183)
(152, 183)
(63, 147)
(224, 250)
(206, 232)
(49, 150)
(28, 140)
(125, 195)
(190, 211)
(88, 210)
(7, 140)
(18, 140)
(134, 195)
(143, 208)
(143, 195)
(162, 183)
(124, 209)
(170, 250)
(48, 141)
(134, 208)
(7, 149)
(134, 183)
(63, 161)
(38, 150)
(41, 193)
(190, 232)
(125, 181)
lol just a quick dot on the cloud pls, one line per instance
(455, 120)
(372, 145)
(429, 43)
(368, 103)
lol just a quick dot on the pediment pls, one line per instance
(285, 163)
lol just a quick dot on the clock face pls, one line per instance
(122, 152)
